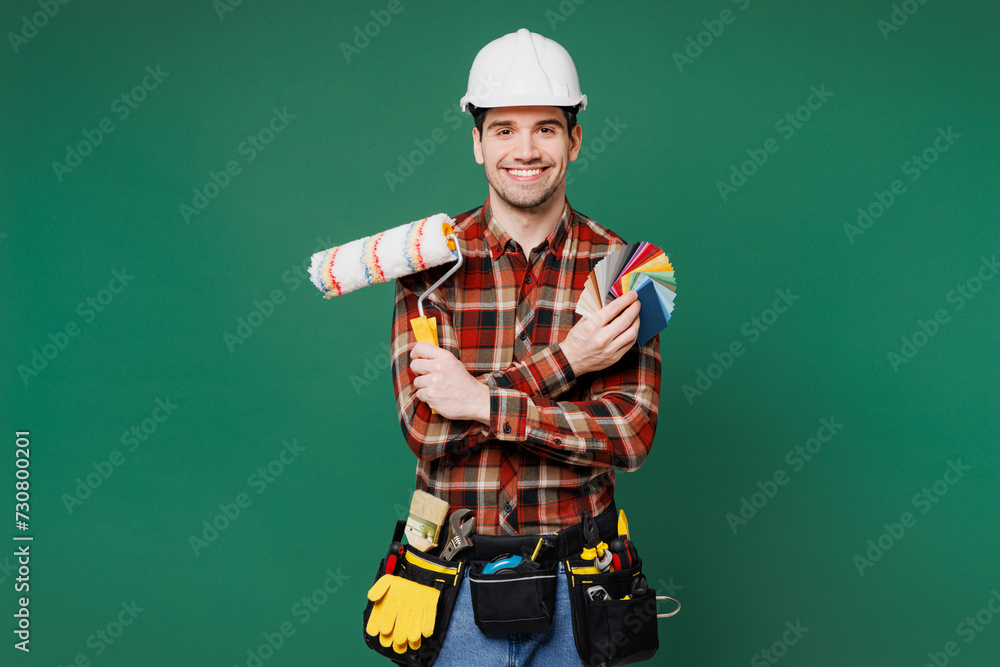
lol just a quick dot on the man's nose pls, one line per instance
(526, 148)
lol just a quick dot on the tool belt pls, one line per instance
(426, 571)
(614, 613)
(618, 629)
(565, 544)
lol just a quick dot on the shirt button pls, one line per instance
(506, 427)
(558, 441)
(523, 336)
(499, 248)
(508, 507)
(527, 279)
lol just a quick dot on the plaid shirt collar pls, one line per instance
(497, 239)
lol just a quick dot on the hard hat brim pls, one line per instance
(524, 101)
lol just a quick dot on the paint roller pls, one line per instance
(394, 253)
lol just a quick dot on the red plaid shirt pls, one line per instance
(554, 439)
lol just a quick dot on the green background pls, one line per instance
(313, 372)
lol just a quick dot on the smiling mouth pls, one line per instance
(525, 174)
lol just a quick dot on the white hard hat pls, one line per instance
(523, 69)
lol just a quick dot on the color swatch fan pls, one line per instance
(640, 267)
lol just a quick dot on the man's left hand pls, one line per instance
(444, 384)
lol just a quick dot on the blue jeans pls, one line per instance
(465, 645)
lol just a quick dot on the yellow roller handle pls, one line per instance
(425, 331)
(425, 328)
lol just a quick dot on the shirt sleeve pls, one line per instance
(613, 427)
(547, 374)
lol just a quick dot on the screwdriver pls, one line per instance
(623, 553)
(392, 559)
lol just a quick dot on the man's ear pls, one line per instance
(575, 141)
(477, 146)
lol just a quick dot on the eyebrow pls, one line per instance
(509, 123)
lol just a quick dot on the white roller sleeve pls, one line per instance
(394, 253)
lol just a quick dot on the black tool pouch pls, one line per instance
(608, 629)
(514, 601)
(430, 571)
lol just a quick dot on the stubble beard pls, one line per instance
(528, 199)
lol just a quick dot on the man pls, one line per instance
(524, 413)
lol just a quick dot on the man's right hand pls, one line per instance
(597, 341)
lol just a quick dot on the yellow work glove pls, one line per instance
(404, 611)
